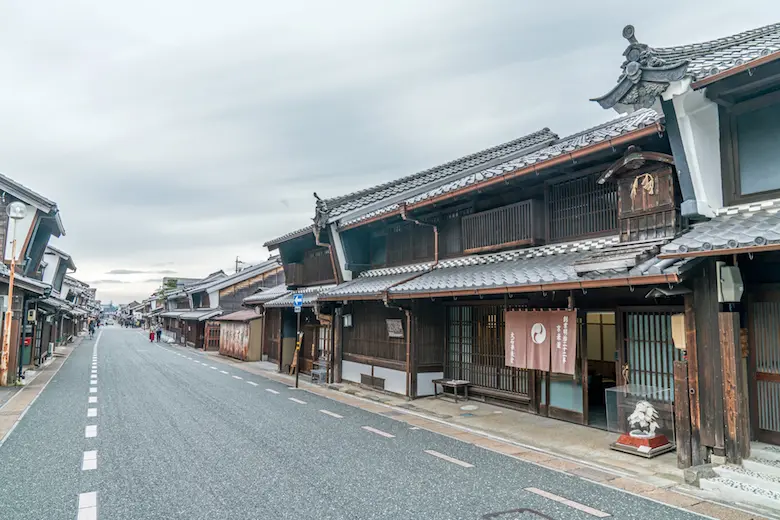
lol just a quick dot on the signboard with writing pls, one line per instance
(541, 340)
(395, 328)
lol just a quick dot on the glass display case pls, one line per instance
(644, 418)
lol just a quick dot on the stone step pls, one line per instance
(754, 478)
(760, 450)
(730, 490)
(759, 465)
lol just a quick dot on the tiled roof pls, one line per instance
(24, 193)
(288, 236)
(235, 278)
(598, 134)
(245, 315)
(647, 72)
(310, 296)
(716, 56)
(746, 225)
(266, 295)
(375, 282)
(200, 314)
(340, 205)
(537, 266)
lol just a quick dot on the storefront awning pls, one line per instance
(172, 314)
(603, 262)
(200, 314)
(243, 316)
(747, 228)
(373, 284)
(310, 296)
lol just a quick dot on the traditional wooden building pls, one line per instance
(273, 344)
(721, 100)
(241, 335)
(573, 223)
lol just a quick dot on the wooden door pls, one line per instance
(212, 335)
(764, 341)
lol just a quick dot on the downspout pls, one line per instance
(333, 265)
(407, 312)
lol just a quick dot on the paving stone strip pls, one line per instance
(527, 454)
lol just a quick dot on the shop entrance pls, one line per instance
(600, 364)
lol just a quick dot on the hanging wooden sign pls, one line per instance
(541, 340)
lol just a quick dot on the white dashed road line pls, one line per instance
(90, 431)
(252, 383)
(213, 368)
(237, 377)
(272, 391)
(91, 412)
(93, 390)
(92, 399)
(90, 460)
(294, 400)
(328, 412)
(87, 506)
(449, 459)
(378, 432)
(570, 503)
(222, 372)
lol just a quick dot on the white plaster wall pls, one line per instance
(214, 299)
(697, 117)
(425, 382)
(395, 380)
(22, 228)
(52, 262)
(350, 371)
(341, 257)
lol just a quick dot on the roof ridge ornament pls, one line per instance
(645, 75)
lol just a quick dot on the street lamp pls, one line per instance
(16, 211)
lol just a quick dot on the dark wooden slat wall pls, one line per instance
(581, 207)
(368, 334)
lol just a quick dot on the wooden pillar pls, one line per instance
(413, 359)
(737, 443)
(692, 387)
(337, 347)
(682, 417)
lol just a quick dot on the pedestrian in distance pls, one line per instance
(151, 335)
(91, 329)
(159, 332)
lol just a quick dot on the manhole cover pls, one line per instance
(469, 407)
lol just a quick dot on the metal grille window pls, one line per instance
(475, 349)
(581, 207)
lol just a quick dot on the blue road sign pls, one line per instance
(298, 300)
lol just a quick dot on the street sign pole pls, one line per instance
(297, 304)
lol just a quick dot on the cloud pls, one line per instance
(152, 280)
(199, 141)
(106, 282)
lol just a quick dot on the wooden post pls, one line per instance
(697, 453)
(731, 354)
(682, 415)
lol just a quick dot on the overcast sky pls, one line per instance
(176, 135)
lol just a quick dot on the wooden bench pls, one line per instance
(455, 384)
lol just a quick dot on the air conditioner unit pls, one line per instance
(4, 303)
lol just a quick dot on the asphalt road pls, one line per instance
(180, 437)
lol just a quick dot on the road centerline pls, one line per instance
(332, 414)
(571, 503)
(294, 400)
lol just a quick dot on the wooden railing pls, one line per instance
(508, 226)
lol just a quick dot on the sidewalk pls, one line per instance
(556, 445)
(18, 401)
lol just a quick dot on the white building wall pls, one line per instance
(22, 229)
(425, 382)
(52, 263)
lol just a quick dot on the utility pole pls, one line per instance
(16, 210)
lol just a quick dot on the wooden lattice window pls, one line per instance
(581, 208)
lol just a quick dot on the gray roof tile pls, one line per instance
(310, 296)
(746, 225)
(376, 281)
(609, 130)
(288, 236)
(266, 295)
(340, 205)
(541, 265)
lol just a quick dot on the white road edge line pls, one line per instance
(252, 383)
(237, 377)
(90, 460)
(570, 503)
(449, 459)
(87, 506)
(328, 412)
(378, 432)
(272, 391)
(294, 400)
(213, 368)
(90, 431)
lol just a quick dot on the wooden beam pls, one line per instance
(692, 364)
(731, 355)
(682, 415)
